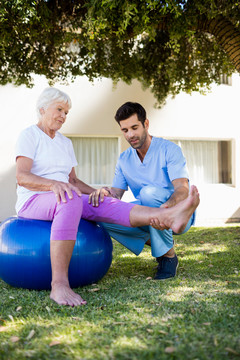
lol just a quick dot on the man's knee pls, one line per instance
(154, 196)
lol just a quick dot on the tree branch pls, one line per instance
(226, 34)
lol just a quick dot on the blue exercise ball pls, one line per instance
(25, 254)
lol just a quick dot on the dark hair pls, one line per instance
(128, 109)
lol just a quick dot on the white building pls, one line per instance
(205, 126)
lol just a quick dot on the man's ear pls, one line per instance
(146, 124)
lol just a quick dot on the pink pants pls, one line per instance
(65, 217)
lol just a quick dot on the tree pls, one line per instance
(169, 46)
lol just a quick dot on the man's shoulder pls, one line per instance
(126, 153)
(164, 144)
(159, 141)
(126, 158)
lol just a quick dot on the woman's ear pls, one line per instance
(42, 111)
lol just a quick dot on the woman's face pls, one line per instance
(54, 116)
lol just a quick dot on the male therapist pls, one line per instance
(155, 171)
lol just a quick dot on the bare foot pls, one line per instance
(62, 294)
(182, 212)
(178, 216)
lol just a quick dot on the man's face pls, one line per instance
(134, 132)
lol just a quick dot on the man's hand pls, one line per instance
(60, 189)
(155, 223)
(97, 195)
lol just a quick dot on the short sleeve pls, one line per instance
(72, 154)
(176, 163)
(26, 145)
(119, 180)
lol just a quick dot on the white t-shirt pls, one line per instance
(52, 158)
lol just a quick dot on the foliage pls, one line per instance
(129, 316)
(158, 42)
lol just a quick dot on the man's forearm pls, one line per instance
(179, 194)
(114, 192)
(83, 187)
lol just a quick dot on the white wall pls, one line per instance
(214, 116)
(92, 113)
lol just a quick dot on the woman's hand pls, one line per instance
(98, 194)
(60, 189)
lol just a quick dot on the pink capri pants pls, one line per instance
(65, 217)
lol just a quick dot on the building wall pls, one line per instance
(195, 116)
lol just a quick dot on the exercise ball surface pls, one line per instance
(25, 254)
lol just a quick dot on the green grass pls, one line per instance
(129, 316)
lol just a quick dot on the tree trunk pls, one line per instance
(227, 35)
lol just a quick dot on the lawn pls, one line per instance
(130, 316)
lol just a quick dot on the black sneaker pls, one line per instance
(167, 267)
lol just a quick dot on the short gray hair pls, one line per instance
(49, 96)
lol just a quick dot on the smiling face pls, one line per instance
(134, 132)
(53, 117)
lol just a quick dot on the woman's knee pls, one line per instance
(154, 196)
(66, 219)
(71, 209)
(76, 202)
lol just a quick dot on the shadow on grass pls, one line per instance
(140, 325)
(195, 315)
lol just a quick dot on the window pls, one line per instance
(226, 80)
(97, 158)
(208, 161)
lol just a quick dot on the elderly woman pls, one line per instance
(48, 189)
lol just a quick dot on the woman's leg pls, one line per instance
(61, 293)
(175, 218)
(63, 235)
(118, 212)
(65, 219)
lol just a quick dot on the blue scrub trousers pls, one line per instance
(134, 238)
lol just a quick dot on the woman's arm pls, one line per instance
(83, 187)
(27, 179)
(33, 182)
